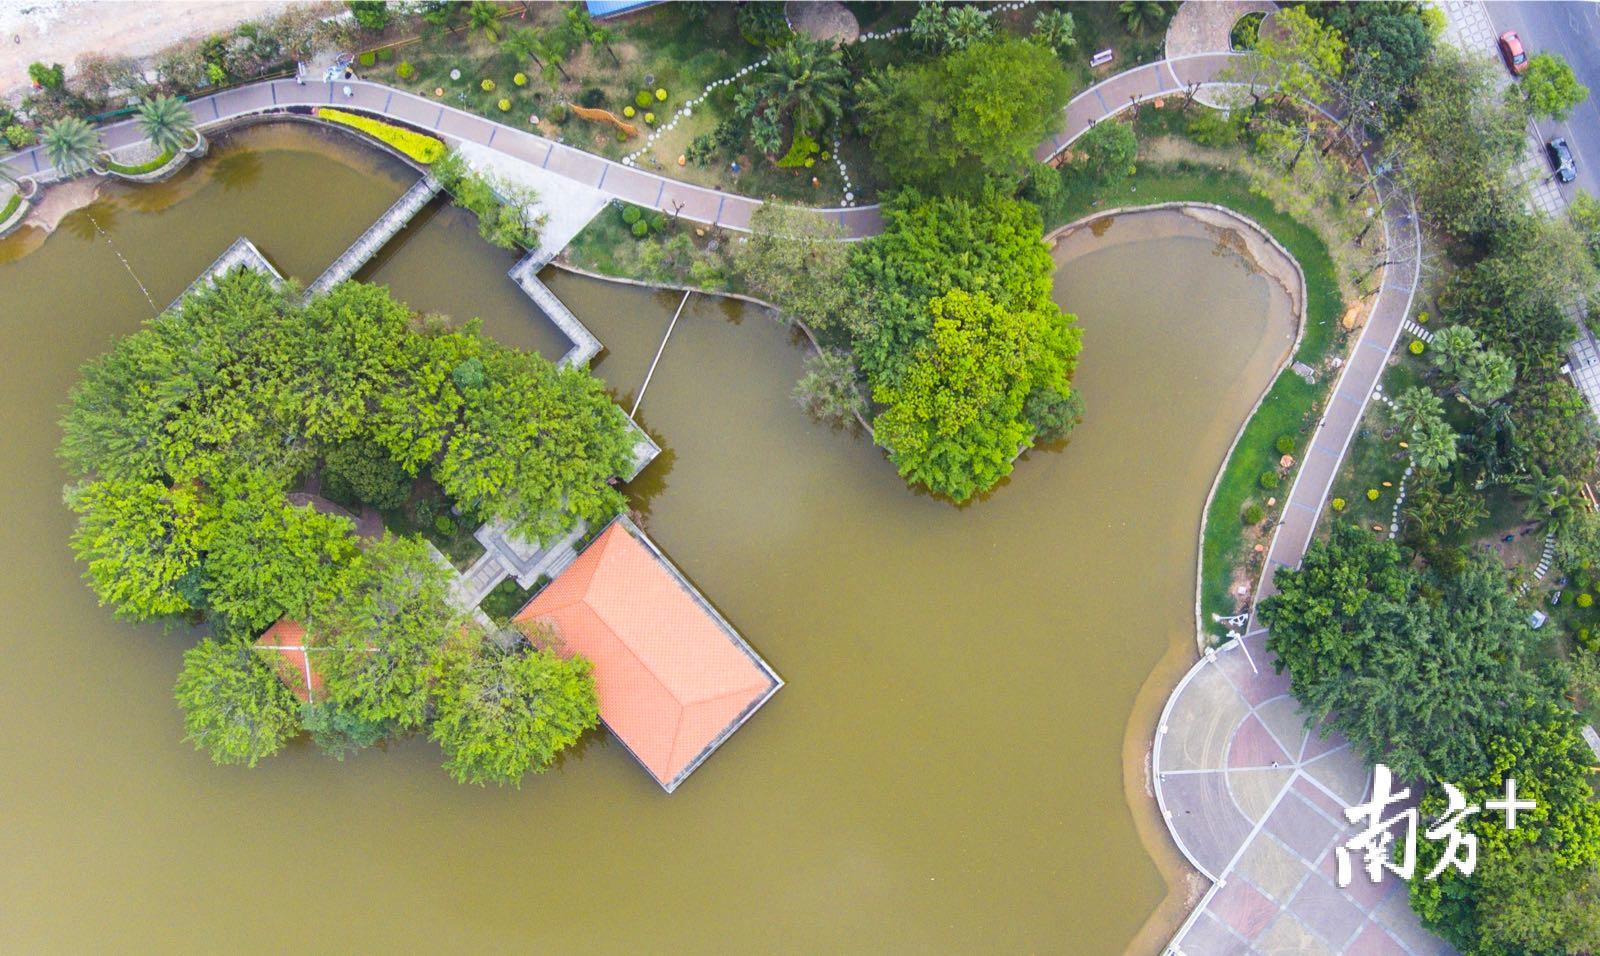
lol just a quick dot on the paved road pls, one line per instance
(1571, 30)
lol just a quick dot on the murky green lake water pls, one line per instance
(955, 764)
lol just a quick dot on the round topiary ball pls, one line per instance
(1337, 504)
(1416, 347)
(1586, 600)
(1268, 480)
(629, 112)
(631, 214)
(504, 104)
(521, 79)
(1254, 514)
(1372, 494)
(641, 229)
(650, 118)
(661, 95)
(487, 86)
(1284, 444)
(643, 99)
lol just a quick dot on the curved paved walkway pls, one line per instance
(1242, 821)
(1204, 26)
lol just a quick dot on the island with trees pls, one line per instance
(188, 437)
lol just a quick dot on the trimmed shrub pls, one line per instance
(650, 118)
(504, 104)
(420, 147)
(487, 86)
(445, 525)
(629, 112)
(1586, 600)
(643, 99)
(641, 229)
(631, 214)
(1254, 514)
(404, 70)
(1587, 639)
(1284, 444)
(521, 79)
(386, 54)
(367, 59)
(19, 136)
(1372, 494)
(661, 95)
(1268, 480)
(1337, 504)
(1416, 347)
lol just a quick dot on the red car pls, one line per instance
(1511, 49)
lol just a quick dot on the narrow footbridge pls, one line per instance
(377, 236)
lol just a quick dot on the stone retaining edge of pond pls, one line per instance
(1297, 303)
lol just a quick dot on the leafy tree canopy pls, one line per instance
(142, 543)
(970, 117)
(233, 705)
(509, 712)
(1417, 670)
(1549, 88)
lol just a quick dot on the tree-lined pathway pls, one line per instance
(1250, 799)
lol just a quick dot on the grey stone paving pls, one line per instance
(242, 253)
(376, 236)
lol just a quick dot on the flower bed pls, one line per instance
(419, 146)
(10, 208)
(139, 169)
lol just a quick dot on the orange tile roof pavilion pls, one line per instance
(674, 678)
(287, 640)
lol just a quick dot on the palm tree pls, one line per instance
(526, 42)
(1141, 15)
(966, 26)
(485, 17)
(1054, 28)
(1433, 446)
(1415, 406)
(603, 36)
(806, 79)
(167, 123)
(71, 145)
(1552, 500)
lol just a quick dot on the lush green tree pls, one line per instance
(1453, 348)
(797, 260)
(266, 558)
(957, 122)
(344, 359)
(233, 705)
(1415, 669)
(805, 80)
(1584, 211)
(1555, 431)
(1433, 446)
(830, 390)
(191, 393)
(1106, 153)
(71, 144)
(941, 27)
(1458, 143)
(762, 23)
(955, 421)
(1142, 16)
(416, 414)
(1549, 88)
(362, 472)
(503, 713)
(536, 446)
(340, 734)
(1297, 58)
(369, 14)
(484, 17)
(1054, 29)
(51, 77)
(1415, 407)
(387, 633)
(166, 123)
(1485, 913)
(142, 544)
(1385, 53)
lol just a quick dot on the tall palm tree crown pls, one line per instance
(71, 144)
(167, 123)
(806, 80)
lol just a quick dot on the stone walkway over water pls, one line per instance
(376, 236)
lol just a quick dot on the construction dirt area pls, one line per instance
(56, 31)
